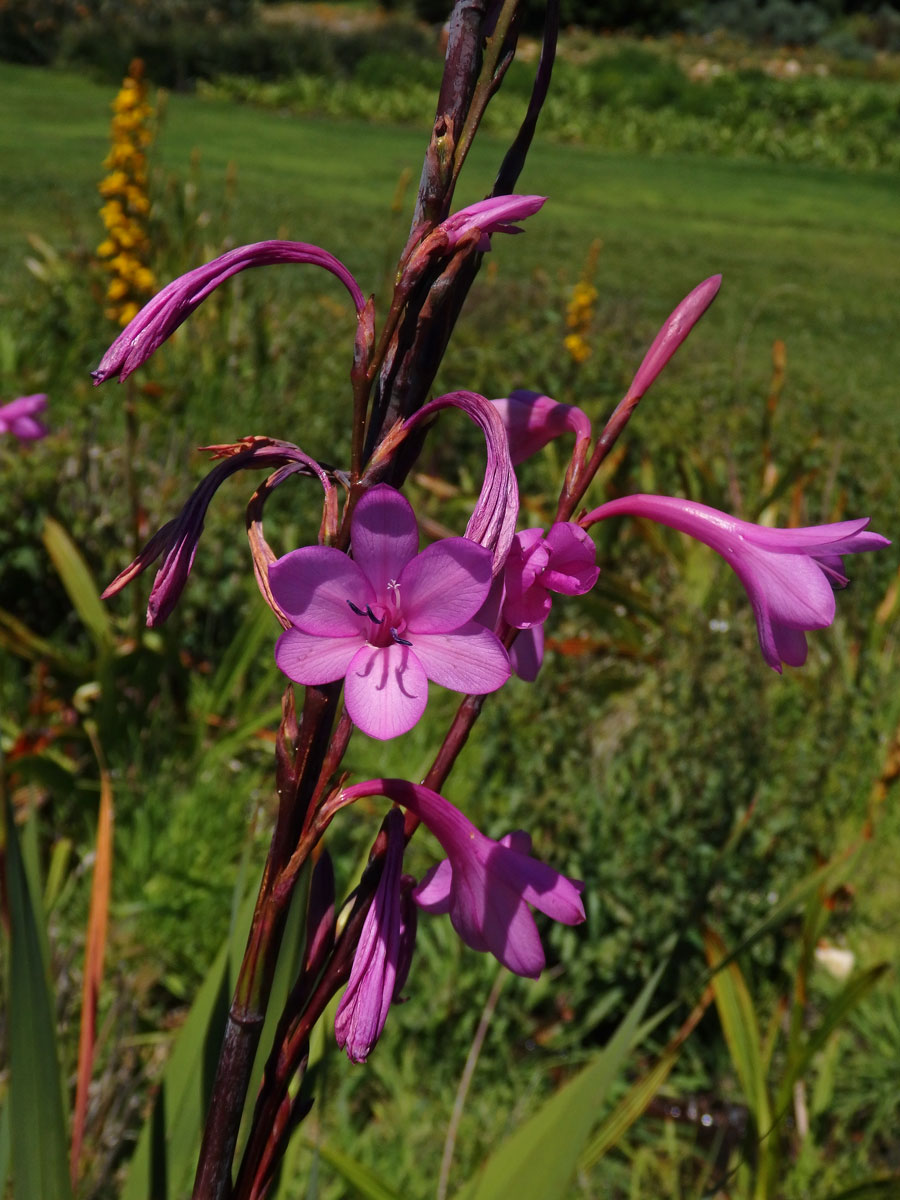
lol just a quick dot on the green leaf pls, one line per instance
(79, 584)
(364, 1182)
(874, 1189)
(165, 1159)
(36, 1121)
(540, 1159)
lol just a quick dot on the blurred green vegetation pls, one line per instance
(657, 758)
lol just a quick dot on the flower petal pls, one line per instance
(444, 586)
(433, 891)
(573, 566)
(386, 690)
(471, 659)
(527, 653)
(384, 535)
(313, 585)
(312, 659)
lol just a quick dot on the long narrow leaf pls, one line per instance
(365, 1183)
(36, 1122)
(641, 1093)
(94, 953)
(79, 585)
(539, 1160)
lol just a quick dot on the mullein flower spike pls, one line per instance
(18, 418)
(485, 886)
(789, 574)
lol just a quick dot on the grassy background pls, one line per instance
(656, 742)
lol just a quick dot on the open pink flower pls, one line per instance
(789, 574)
(388, 619)
(564, 561)
(486, 886)
(18, 418)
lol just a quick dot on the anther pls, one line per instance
(366, 612)
(359, 611)
(398, 639)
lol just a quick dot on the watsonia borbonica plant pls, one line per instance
(370, 620)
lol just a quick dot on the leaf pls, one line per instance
(539, 1160)
(94, 952)
(641, 1093)
(36, 1122)
(79, 584)
(363, 1181)
(874, 1189)
(163, 1164)
(738, 1017)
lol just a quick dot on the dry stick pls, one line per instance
(465, 1081)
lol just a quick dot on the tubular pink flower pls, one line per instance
(158, 319)
(533, 420)
(565, 561)
(493, 521)
(18, 417)
(493, 215)
(177, 539)
(674, 331)
(789, 574)
(383, 955)
(485, 886)
(388, 619)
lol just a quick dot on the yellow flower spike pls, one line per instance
(126, 247)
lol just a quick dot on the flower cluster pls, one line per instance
(125, 248)
(367, 607)
(580, 310)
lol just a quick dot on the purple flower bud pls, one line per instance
(493, 215)
(159, 318)
(789, 574)
(18, 418)
(382, 958)
(674, 331)
(533, 420)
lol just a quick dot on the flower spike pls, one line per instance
(158, 319)
(789, 574)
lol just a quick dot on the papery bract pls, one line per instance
(486, 886)
(388, 619)
(533, 420)
(383, 953)
(789, 574)
(159, 318)
(18, 417)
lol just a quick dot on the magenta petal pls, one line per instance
(533, 420)
(443, 587)
(471, 659)
(527, 653)
(433, 892)
(386, 690)
(790, 646)
(572, 570)
(313, 585)
(384, 535)
(312, 659)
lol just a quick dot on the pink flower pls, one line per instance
(162, 315)
(485, 886)
(18, 418)
(383, 955)
(564, 561)
(494, 215)
(388, 619)
(789, 574)
(533, 420)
